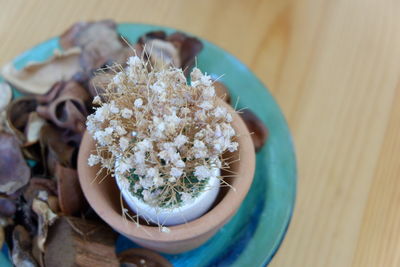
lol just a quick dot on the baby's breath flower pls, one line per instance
(180, 164)
(229, 117)
(124, 143)
(202, 172)
(109, 130)
(180, 140)
(233, 146)
(126, 113)
(153, 125)
(146, 182)
(220, 112)
(138, 103)
(158, 181)
(146, 195)
(175, 172)
(94, 160)
(120, 130)
(102, 113)
(152, 172)
(134, 61)
(114, 109)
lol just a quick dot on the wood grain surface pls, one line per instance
(334, 68)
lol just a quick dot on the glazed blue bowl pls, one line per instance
(255, 233)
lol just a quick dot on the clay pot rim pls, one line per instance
(212, 220)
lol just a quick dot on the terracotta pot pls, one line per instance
(105, 199)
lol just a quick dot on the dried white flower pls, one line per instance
(93, 160)
(124, 143)
(126, 113)
(138, 103)
(158, 181)
(152, 172)
(202, 172)
(114, 109)
(207, 105)
(161, 130)
(134, 61)
(175, 172)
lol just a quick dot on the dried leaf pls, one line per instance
(3, 122)
(6, 95)
(83, 33)
(18, 115)
(177, 49)
(14, 172)
(84, 243)
(70, 196)
(38, 78)
(46, 218)
(22, 245)
(37, 254)
(36, 185)
(58, 146)
(99, 41)
(99, 82)
(162, 53)
(66, 106)
(256, 128)
(33, 127)
(7, 207)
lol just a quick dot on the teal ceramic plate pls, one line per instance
(254, 234)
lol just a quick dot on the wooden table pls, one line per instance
(334, 67)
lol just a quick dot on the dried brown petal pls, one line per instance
(18, 114)
(6, 95)
(70, 196)
(99, 41)
(256, 128)
(38, 78)
(33, 127)
(189, 48)
(162, 53)
(69, 38)
(99, 82)
(53, 203)
(46, 217)
(37, 254)
(7, 207)
(222, 91)
(142, 257)
(66, 106)
(83, 243)
(22, 245)
(3, 122)
(83, 33)
(36, 185)
(58, 146)
(14, 172)
(177, 49)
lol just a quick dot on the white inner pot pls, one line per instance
(187, 211)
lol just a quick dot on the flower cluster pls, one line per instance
(161, 133)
